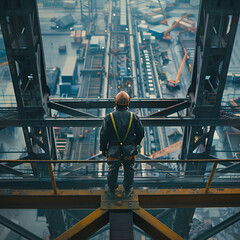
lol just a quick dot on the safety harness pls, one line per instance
(115, 128)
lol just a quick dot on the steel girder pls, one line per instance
(110, 103)
(152, 226)
(91, 199)
(218, 228)
(21, 33)
(84, 183)
(88, 226)
(121, 224)
(18, 229)
(144, 220)
(97, 122)
(22, 37)
(4, 169)
(217, 25)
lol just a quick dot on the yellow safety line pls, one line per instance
(115, 128)
(129, 126)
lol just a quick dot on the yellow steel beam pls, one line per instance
(151, 198)
(54, 185)
(84, 199)
(87, 226)
(211, 177)
(152, 226)
(189, 198)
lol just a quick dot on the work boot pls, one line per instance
(110, 193)
(128, 192)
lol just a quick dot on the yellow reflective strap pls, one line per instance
(129, 126)
(115, 128)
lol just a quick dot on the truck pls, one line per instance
(69, 73)
(165, 58)
(62, 49)
(97, 43)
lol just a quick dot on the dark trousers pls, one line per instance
(113, 174)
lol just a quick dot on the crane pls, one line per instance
(166, 34)
(175, 84)
(164, 22)
(192, 30)
(167, 150)
(4, 63)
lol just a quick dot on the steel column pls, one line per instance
(90, 199)
(121, 225)
(217, 25)
(22, 37)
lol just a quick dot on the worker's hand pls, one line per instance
(104, 153)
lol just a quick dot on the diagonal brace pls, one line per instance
(87, 226)
(218, 228)
(4, 169)
(68, 110)
(18, 229)
(170, 110)
(152, 226)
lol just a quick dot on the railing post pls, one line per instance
(52, 178)
(211, 177)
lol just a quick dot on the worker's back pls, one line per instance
(108, 136)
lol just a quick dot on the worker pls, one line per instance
(121, 133)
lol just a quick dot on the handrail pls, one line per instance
(54, 186)
(136, 161)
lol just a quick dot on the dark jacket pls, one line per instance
(108, 139)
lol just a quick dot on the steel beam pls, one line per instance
(18, 229)
(4, 169)
(217, 25)
(152, 226)
(68, 110)
(218, 228)
(96, 122)
(170, 110)
(90, 199)
(87, 182)
(121, 225)
(234, 168)
(164, 213)
(110, 103)
(86, 227)
(41, 160)
(22, 37)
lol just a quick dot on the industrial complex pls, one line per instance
(62, 62)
